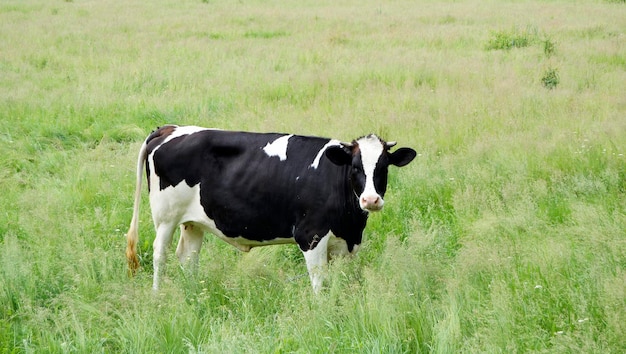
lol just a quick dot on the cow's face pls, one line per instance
(369, 159)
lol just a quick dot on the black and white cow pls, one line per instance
(255, 189)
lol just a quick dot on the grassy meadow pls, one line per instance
(507, 234)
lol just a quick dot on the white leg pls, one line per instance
(161, 243)
(316, 261)
(189, 245)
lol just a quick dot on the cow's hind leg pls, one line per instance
(316, 261)
(188, 248)
(162, 241)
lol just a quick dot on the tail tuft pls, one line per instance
(131, 252)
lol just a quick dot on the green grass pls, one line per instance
(506, 234)
(510, 39)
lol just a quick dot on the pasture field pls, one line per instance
(507, 234)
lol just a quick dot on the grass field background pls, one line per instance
(506, 234)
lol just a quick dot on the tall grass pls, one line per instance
(506, 234)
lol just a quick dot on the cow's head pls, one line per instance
(369, 158)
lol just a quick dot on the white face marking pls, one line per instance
(316, 162)
(371, 150)
(278, 147)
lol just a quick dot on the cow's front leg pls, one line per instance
(188, 249)
(316, 256)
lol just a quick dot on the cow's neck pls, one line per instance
(353, 219)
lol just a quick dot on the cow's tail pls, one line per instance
(132, 237)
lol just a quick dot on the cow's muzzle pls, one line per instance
(372, 202)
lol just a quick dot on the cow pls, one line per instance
(257, 189)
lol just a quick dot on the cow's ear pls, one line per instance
(339, 155)
(402, 157)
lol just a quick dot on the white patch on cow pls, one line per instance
(278, 147)
(185, 130)
(177, 205)
(316, 162)
(371, 150)
(316, 261)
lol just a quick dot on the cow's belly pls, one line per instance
(239, 242)
(181, 205)
(245, 244)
